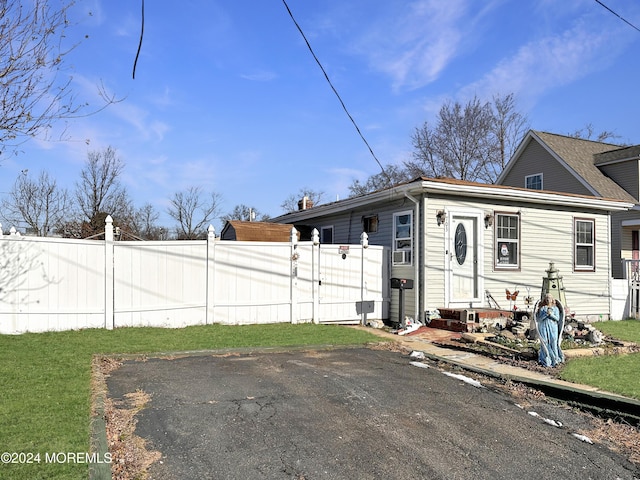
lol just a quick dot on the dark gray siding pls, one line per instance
(624, 174)
(536, 159)
(348, 226)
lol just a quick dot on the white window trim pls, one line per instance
(518, 241)
(535, 175)
(584, 268)
(394, 238)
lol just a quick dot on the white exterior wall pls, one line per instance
(545, 236)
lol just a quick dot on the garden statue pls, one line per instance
(550, 324)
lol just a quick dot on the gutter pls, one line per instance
(618, 160)
(484, 191)
(528, 195)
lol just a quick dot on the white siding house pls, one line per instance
(459, 241)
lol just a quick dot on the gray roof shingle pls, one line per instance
(580, 155)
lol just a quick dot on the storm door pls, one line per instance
(463, 259)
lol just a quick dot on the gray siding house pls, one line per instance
(462, 241)
(566, 164)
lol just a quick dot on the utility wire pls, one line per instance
(625, 21)
(336, 92)
(135, 62)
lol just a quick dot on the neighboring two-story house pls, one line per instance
(546, 161)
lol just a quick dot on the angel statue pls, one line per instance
(550, 324)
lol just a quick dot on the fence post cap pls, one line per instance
(364, 240)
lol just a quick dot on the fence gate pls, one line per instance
(351, 286)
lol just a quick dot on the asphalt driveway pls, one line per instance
(347, 413)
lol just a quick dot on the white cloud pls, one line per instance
(127, 27)
(138, 117)
(415, 47)
(550, 62)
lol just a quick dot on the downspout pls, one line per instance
(416, 263)
(609, 253)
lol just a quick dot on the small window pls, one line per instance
(326, 234)
(584, 245)
(507, 247)
(370, 224)
(402, 238)
(533, 182)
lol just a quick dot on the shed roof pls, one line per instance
(256, 231)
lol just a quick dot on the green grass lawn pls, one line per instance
(613, 373)
(623, 330)
(45, 388)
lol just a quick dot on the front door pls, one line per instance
(463, 259)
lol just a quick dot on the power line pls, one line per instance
(344, 107)
(624, 20)
(135, 62)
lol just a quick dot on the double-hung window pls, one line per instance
(402, 238)
(584, 245)
(507, 247)
(533, 182)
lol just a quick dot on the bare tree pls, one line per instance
(34, 91)
(245, 213)
(291, 203)
(38, 202)
(193, 212)
(588, 133)
(470, 142)
(144, 224)
(509, 127)
(459, 146)
(392, 175)
(99, 193)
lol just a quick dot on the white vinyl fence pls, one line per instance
(62, 284)
(631, 282)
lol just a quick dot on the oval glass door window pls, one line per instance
(461, 244)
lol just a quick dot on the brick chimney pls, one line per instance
(305, 203)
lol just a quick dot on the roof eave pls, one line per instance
(487, 191)
(530, 196)
(348, 203)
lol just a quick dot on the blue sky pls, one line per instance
(227, 97)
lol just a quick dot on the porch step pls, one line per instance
(452, 325)
(469, 319)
